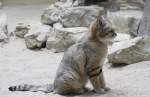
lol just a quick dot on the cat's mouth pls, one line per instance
(110, 36)
(108, 39)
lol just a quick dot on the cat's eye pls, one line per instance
(112, 31)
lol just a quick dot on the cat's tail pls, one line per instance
(33, 88)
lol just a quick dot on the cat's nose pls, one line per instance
(114, 34)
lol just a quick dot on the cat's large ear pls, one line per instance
(102, 13)
(98, 24)
(101, 20)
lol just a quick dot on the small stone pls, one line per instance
(21, 30)
(37, 37)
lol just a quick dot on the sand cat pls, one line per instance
(83, 61)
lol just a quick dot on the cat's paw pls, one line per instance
(100, 91)
(106, 89)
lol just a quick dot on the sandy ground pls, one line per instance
(19, 65)
(29, 14)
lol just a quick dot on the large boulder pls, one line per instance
(76, 32)
(3, 28)
(37, 36)
(131, 51)
(130, 4)
(63, 38)
(1, 4)
(54, 12)
(125, 21)
(72, 2)
(80, 16)
(70, 16)
(51, 15)
(60, 42)
(21, 30)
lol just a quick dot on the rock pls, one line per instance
(72, 16)
(134, 27)
(115, 5)
(3, 37)
(60, 42)
(21, 30)
(80, 16)
(66, 3)
(121, 37)
(76, 32)
(51, 15)
(144, 27)
(64, 37)
(3, 28)
(38, 36)
(130, 4)
(125, 21)
(75, 3)
(79, 3)
(1, 4)
(54, 12)
(133, 51)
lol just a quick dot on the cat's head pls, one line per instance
(102, 29)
